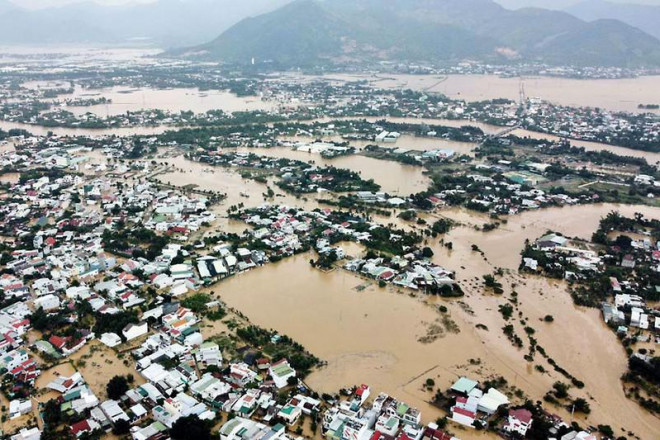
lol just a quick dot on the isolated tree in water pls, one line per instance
(117, 387)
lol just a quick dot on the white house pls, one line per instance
(110, 339)
(47, 302)
(132, 331)
(281, 372)
(520, 420)
(27, 434)
(235, 429)
(113, 411)
(19, 407)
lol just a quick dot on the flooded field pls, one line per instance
(393, 177)
(651, 157)
(9, 178)
(227, 181)
(596, 356)
(173, 100)
(503, 246)
(39, 130)
(612, 94)
(97, 356)
(369, 335)
(366, 333)
(405, 142)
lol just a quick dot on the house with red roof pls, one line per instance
(463, 416)
(57, 342)
(433, 433)
(519, 421)
(84, 427)
(67, 346)
(362, 393)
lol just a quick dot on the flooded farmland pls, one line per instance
(393, 177)
(173, 100)
(613, 94)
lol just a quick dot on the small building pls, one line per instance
(519, 421)
(464, 386)
(281, 372)
(110, 339)
(132, 331)
(290, 414)
(628, 262)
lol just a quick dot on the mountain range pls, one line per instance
(165, 23)
(307, 32)
(304, 32)
(644, 17)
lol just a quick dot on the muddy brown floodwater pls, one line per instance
(374, 335)
(175, 100)
(393, 177)
(369, 334)
(612, 94)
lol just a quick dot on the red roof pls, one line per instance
(80, 427)
(522, 414)
(22, 323)
(436, 434)
(57, 341)
(464, 412)
(387, 274)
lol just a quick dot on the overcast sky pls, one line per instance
(47, 3)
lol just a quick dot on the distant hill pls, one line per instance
(545, 4)
(308, 31)
(166, 23)
(644, 17)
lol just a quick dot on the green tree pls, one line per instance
(117, 387)
(427, 252)
(190, 428)
(581, 405)
(52, 415)
(121, 427)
